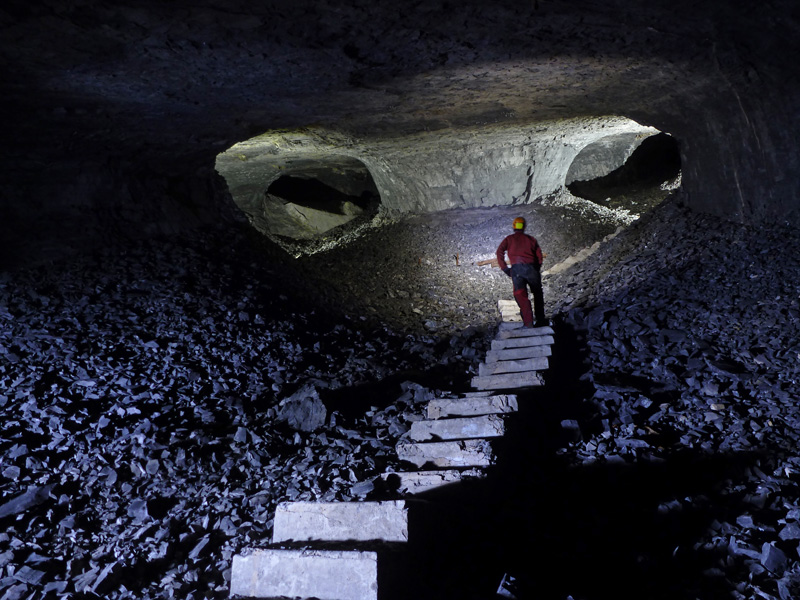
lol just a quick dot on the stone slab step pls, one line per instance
(486, 426)
(518, 353)
(505, 304)
(522, 342)
(341, 521)
(524, 332)
(507, 381)
(439, 408)
(504, 326)
(416, 482)
(465, 453)
(322, 574)
(513, 366)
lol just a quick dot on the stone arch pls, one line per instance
(616, 164)
(299, 195)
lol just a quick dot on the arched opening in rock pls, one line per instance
(299, 198)
(312, 197)
(628, 170)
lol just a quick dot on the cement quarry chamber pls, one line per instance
(215, 212)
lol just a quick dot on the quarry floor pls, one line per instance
(141, 447)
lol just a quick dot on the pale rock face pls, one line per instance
(485, 166)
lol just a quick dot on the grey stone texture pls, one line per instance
(303, 410)
(321, 574)
(432, 177)
(507, 381)
(524, 332)
(472, 406)
(417, 482)
(513, 366)
(466, 453)
(518, 353)
(603, 156)
(522, 342)
(341, 521)
(485, 426)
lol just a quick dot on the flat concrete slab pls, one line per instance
(513, 366)
(466, 453)
(416, 482)
(505, 325)
(507, 304)
(326, 575)
(508, 381)
(486, 426)
(522, 342)
(341, 521)
(523, 332)
(518, 353)
(472, 406)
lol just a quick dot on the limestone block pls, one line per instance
(341, 521)
(507, 381)
(503, 326)
(522, 342)
(472, 406)
(524, 332)
(511, 317)
(466, 453)
(416, 482)
(326, 575)
(518, 353)
(485, 426)
(513, 366)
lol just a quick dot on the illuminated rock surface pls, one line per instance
(149, 334)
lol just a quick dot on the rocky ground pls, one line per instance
(147, 430)
(420, 274)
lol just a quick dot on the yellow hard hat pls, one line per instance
(519, 223)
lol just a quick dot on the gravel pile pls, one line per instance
(153, 413)
(687, 407)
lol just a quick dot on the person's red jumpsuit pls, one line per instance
(525, 257)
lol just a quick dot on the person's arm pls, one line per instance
(501, 252)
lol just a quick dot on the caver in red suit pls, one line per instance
(525, 257)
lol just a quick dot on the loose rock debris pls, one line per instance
(141, 432)
(139, 397)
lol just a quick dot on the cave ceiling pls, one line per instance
(183, 78)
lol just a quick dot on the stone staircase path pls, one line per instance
(452, 445)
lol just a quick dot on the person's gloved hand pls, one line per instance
(507, 271)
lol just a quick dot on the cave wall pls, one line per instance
(78, 205)
(603, 156)
(489, 166)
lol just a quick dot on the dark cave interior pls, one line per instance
(653, 163)
(206, 207)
